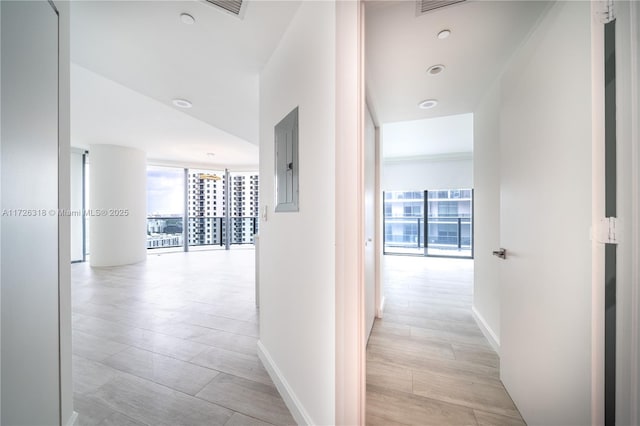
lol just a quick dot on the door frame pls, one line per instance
(67, 414)
(350, 351)
(628, 194)
(628, 221)
(629, 190)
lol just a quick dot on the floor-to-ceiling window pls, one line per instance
(243, 216)
(404, 222)
(165, 207)
(206, 201)
(217, 209)
(431, 223)
(450, 223)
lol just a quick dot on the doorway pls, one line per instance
(527, 158)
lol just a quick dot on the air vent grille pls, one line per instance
(232, 6)
(425, 6)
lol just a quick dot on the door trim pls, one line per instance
(635, 215)
(628, 307)
(67, 414)
(350, 351)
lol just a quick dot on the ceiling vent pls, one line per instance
(234, 7)
(424, 6)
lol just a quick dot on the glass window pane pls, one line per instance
(165, 207)
(403, 222)
(206, 222)
(450, 223)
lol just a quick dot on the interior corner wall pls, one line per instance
(486, 179)
(428, 173)
(297, 249)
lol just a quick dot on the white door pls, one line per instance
(545, 190)
(369, 223)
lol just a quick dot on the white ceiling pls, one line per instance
(428, 137)
(400, 47)
(105, 112)
(136, 56)
(144, 46)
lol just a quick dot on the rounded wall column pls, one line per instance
(118, 205)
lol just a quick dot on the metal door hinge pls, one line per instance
(605, 11)
(607, 231)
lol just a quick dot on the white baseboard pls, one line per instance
(290, 399)
(494, 341)
(72, 420)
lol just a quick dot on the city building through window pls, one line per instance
(429, 223)
(206, 225)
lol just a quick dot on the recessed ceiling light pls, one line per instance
(435, 69)
(429, 103)
(444, 34)
(182, 103)
(187, 19)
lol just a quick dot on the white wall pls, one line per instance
(438, 172)
(31, 274)
(118, 200)
(486, 179)
(297, 263)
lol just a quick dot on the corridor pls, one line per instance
(427, 361)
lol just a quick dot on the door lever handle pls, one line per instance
(501, 253)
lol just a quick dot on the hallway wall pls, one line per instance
(35, 132)
(297, 249)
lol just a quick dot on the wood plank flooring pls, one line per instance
(171, 341)
(427, 361)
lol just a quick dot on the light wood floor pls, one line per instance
(427, 361)
(171, 342)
